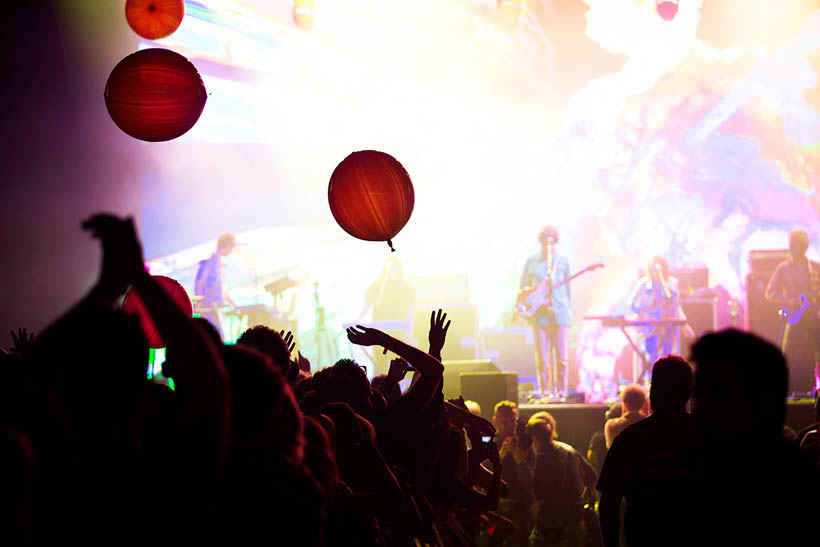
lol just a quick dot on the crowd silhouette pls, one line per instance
(250, 448)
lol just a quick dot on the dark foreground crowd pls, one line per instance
(249, 448)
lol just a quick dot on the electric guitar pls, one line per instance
(794, 315)
(532, 299)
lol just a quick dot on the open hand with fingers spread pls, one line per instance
(21, 341)
(438, 332)
(288, 338)
(365, 336)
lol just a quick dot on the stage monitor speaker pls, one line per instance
(461, 336)
(489, 388)
(764, 320)
(454, 369)
(512, 349)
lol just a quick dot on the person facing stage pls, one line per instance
(797, 277)
(209, 287)
(551, 322)
(655, 296)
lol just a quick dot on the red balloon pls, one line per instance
(371, 196)
(304, 13)
(154, 19)
(667, 10)
(155, 95)
(133, 305)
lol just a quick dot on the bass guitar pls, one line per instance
(532, 299)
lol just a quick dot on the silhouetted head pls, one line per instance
(103, 385)
(798, 243)
(634, 398)
(344, 382)
(616, 410)
(542, 427)
(319, 456)
(270, 343)
(740, 386)
(671, 385)
(262, 404)
(390, 390)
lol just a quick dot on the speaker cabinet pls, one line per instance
(489, 388)
(454, 369)
(512, 350)
(763, 318)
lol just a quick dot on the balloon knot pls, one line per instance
(390, 243)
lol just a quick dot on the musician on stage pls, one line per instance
(796, 276)
(551, 323)
(209, 287)
(655, 296)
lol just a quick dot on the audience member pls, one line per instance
(473, 407)
(596, 452)
(560, 478)
(634, 401)
(652, 464)
(752, 484)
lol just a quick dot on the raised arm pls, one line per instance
(198, 365)
(428, 367)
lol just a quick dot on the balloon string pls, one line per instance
(390, 242)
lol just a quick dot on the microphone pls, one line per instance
(659, 269)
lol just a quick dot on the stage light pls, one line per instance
(304, 13)
(508, 12)
(371, 196)
(667, 10)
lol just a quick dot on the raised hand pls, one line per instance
(288, 338)
(122, 253)
(22, 341)
(438, 332)
(364, 336)
(397, 370)
(302, 362)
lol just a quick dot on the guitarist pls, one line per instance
(795, 277)
(551, 323)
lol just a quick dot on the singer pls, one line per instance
(655, 296)
(551, 323)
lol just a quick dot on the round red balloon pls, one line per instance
(154, 19)
(133, 305)
(155, 95)
(371, 195)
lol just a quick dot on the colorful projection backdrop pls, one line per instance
(697, 139)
